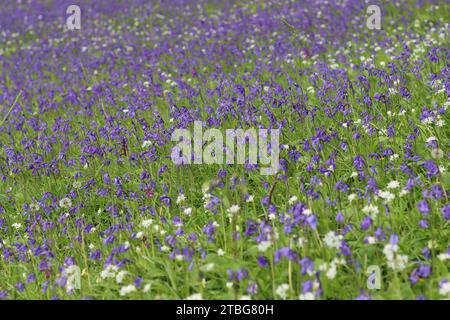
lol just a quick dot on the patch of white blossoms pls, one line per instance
(125, 290)
(72, 274)
(395, 261)
(282, 291)
(333, 240)
(387, 196)
(109, 272)
(444, 288)
(330, 269)
(394, 184)
(371, 209)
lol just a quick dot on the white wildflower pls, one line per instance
(443, 256)
(72, 274)
(120, 276)
(332, 240)
(34, 206)
(395, 261)
(389, 250)
(146, 223)
(146, 143)
(17, 226)
(394, 184)
(147, 288)
(109, 272)
(398, 262)
(440, 123)
(195, 296)
(371, 240)
(386, 195)
(206, 197)
(332, 271)
(307, 296)
(372, 210)
(444, 289)
(234, 209)
(437, 153)
(179, 257)
(301, 242)
(208, 266)
(139, 235)
(393, 157)
(65, 203)
(264, 245)
(282, 290)
(292, 200)
(181, 198)
(127, 290)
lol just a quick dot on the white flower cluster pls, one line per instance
(371, 209)
(394, 184)
(72, 274)
(146, 223)
(120, 275)
(332, 240)
(282, 291)
(444, 288)
(443, 256)
(146, 143)
(264, 245)
(112, 271)
(395, 260)
(436, 119)
(109, 272)
(127, 289)
(65, 203)
(233, 210)
(292, 200)
(387, 196)
(330, 269)
(181, 198)
(195, 296)
(17, 225)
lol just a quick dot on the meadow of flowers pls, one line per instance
(93, 207)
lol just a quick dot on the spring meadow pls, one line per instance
(224, 150)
